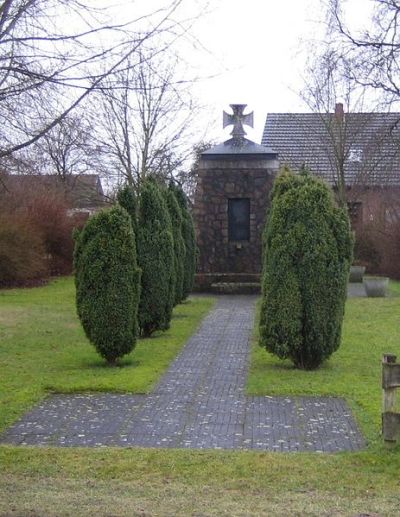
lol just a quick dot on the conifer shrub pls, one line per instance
(189, 238)
(108, 282)
(176, 217)
(127, 199)
(307, 256)
(155, 248)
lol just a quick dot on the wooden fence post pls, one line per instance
(390, 382)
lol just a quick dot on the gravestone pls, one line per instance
(234, 181)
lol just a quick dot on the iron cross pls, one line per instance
(238, 119)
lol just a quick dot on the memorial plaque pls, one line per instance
(239, 219)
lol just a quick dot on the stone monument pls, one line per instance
(233, 186)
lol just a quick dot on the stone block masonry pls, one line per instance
(218, 181)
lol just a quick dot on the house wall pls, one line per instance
(379, 206)
(377, 229)
(218, 181)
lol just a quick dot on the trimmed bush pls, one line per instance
(179, 244)
(306, 266)
(127, 199)
(155, 248)
(108, 282)
(189, 238)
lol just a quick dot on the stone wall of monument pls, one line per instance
(219, 180)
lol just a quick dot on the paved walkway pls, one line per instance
(199, 403)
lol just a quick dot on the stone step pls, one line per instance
(235, 288)
(204, 281)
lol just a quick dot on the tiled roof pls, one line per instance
(81, 191)
(368, 142)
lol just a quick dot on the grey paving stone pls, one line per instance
(199, 403)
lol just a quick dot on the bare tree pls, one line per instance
(66, 49)
(337, 136)
(344, 87)
(187, 177)
(374, 51)
(67, 149)
(146, 116)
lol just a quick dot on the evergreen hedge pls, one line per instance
(179, 244)
(189, 238)
(307, 256)
(127, 199)
(108, 282)
(155, 248)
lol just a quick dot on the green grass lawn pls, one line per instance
(42, 347)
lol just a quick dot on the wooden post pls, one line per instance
(390, 382)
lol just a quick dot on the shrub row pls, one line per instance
(115, 303)
(156, 259)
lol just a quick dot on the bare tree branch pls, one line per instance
(374, 51)
(147, 117)
(34, 55)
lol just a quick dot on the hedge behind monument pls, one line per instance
(307, 256)
(189, 238)
(108, 282)
(155, 249)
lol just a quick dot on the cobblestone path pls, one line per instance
(199, 403)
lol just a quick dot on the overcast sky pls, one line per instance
(258, 50)
(251, 52)
(257, 46)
